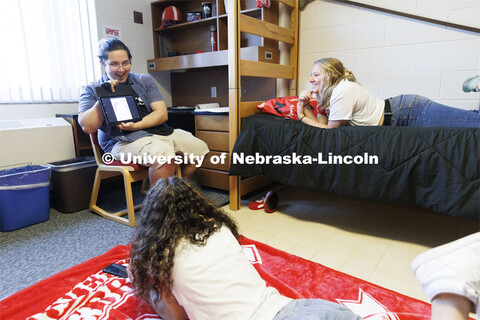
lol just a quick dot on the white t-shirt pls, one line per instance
(216, 281)
(352, 102)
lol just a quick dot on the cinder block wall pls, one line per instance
(391, 55)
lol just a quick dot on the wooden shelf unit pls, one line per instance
(247, 61)
(188, 38)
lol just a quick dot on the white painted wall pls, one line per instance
(391, 55)
(139, 39)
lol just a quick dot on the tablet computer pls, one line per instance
(118, 106)
(119, 109)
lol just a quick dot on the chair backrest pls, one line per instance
(97, 151)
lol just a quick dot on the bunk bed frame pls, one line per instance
(286, 74)
(404, 179)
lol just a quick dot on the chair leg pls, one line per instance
(129, 199)
(115, 216)
(96, 188)
(178, 170)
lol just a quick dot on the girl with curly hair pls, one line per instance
(186, 260)
(348, 103)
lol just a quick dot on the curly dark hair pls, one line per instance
(173, 210)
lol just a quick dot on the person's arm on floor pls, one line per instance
(168, 308)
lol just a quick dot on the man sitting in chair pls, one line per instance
(149, 137)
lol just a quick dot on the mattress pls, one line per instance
(432, 167)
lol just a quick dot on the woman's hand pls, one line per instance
(303, 99)
(305, 96)
(300, 113)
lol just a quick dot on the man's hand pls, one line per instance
(129, 126)
(111, 84)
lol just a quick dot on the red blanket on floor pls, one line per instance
(85, 292)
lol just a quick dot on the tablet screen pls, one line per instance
(120, 109)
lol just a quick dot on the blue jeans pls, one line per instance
(315, 309)
(417, 111)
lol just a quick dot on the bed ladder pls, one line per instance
(288, 43)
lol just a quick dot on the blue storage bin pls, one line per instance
(24, 196)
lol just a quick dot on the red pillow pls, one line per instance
(287, 107)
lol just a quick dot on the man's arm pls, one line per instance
(92, 119)
(90, 116)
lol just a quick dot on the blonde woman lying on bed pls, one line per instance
(348, 103)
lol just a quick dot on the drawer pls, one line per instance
(219, 166)
(212, 122)
(251, 184)
(213, 178)
(215, 140)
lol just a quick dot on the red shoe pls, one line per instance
(271, 202)
(257, 204)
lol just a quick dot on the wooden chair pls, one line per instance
(130, 172)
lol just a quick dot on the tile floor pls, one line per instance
(372, 241)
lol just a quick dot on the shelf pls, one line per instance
(187, 25)
(188, 61)
(254, 12)
(210, 59)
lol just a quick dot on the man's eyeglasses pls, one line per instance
(114, 66)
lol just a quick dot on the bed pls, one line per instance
(434, 168)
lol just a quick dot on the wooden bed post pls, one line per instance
(237, 68)
(234, 92)
(295, 26)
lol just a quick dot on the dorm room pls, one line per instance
(348, 232)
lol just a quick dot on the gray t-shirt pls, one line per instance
(147, 91)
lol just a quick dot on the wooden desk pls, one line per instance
(83, 146)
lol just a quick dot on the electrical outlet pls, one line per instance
(152, 65)
(213, 92)
(268, 55)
